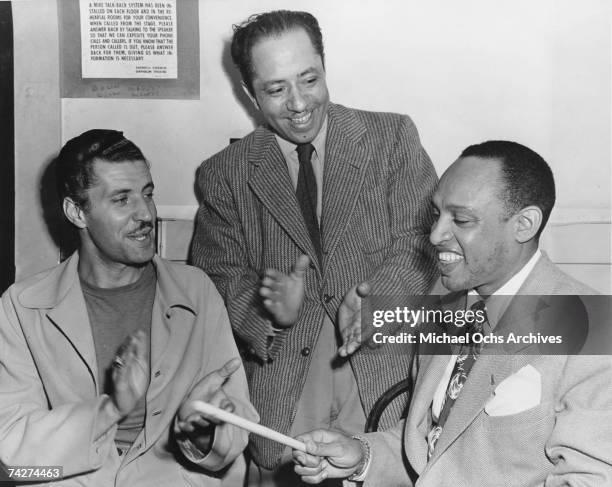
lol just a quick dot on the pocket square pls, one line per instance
(519, 392)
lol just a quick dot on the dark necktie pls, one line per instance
(468, 354)
(307, 195)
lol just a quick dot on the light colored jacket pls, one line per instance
(49, 395)
(565, 439)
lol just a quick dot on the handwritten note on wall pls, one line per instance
(128, 39)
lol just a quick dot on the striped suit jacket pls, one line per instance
(375, 223)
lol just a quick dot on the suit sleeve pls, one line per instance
(387, 462)
(580, 446)
(219, 248)
(219, 347)
(30, 432)
(408, 268)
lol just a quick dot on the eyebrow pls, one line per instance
(461, 208)
(311, 70)
(149, 185)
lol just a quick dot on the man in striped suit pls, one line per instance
(293, 218)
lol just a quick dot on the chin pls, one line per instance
(453, 284)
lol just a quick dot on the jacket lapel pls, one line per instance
(346, 159)
(60, 292)
(487, 373)
(419, 415)
(495, 363)
(269, 180)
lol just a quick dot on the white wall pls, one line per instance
(537, 72)
(37, 127)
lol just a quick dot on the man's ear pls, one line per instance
(74, 213)
(251, 97)
(528, 222)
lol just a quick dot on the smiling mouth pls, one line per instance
(302, 120)
(449, 258)
(142, 235)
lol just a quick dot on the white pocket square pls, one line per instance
(519, 392)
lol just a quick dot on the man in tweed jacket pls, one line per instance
(374, 181)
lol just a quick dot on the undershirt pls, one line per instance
(114, 314)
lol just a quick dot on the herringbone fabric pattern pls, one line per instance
(375, 223)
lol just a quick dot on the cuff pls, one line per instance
(362, 470)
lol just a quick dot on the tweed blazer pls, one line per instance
(566, 439)
(375, 223)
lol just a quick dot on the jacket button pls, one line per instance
(305, 351)
(251, 350)
(327, 298)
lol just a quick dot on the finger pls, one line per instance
(314, 479)
(266, 293)
(273, 274)
(306, 460)
(319, 435)
(301, 265)
(301, 470)
(227, 405)
(216, 378)
(231, 366)
(332, 449)
(269, 305)
(271, 284)
(140, 348)
(364, 289)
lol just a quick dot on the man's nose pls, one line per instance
(296, 102)
(144, 211)
(440, 232)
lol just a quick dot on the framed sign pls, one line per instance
(129, 49)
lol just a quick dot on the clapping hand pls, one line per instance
(283, 294)
(349, 319)
(130, 373)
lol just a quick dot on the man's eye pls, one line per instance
(274, 91)
(459, 221)
(148, 196)
(311, 81)
(121, 200)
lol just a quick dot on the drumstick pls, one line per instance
(245, 424)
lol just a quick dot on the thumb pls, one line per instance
(364, 289)
(217, 377)
(301, 264)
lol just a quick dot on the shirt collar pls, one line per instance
(502, 297)
(288, 148)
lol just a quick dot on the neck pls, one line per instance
(525, 253)
(104, 274)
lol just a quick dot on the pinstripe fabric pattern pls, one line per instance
(374, 226)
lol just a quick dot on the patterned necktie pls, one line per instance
(468, 354)
(307, 194)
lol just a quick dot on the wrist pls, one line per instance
(361, 468)
(111, 410)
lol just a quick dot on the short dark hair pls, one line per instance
(74, 165)
(528, 178)
(269, 24)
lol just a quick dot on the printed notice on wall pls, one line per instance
(128, 39)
